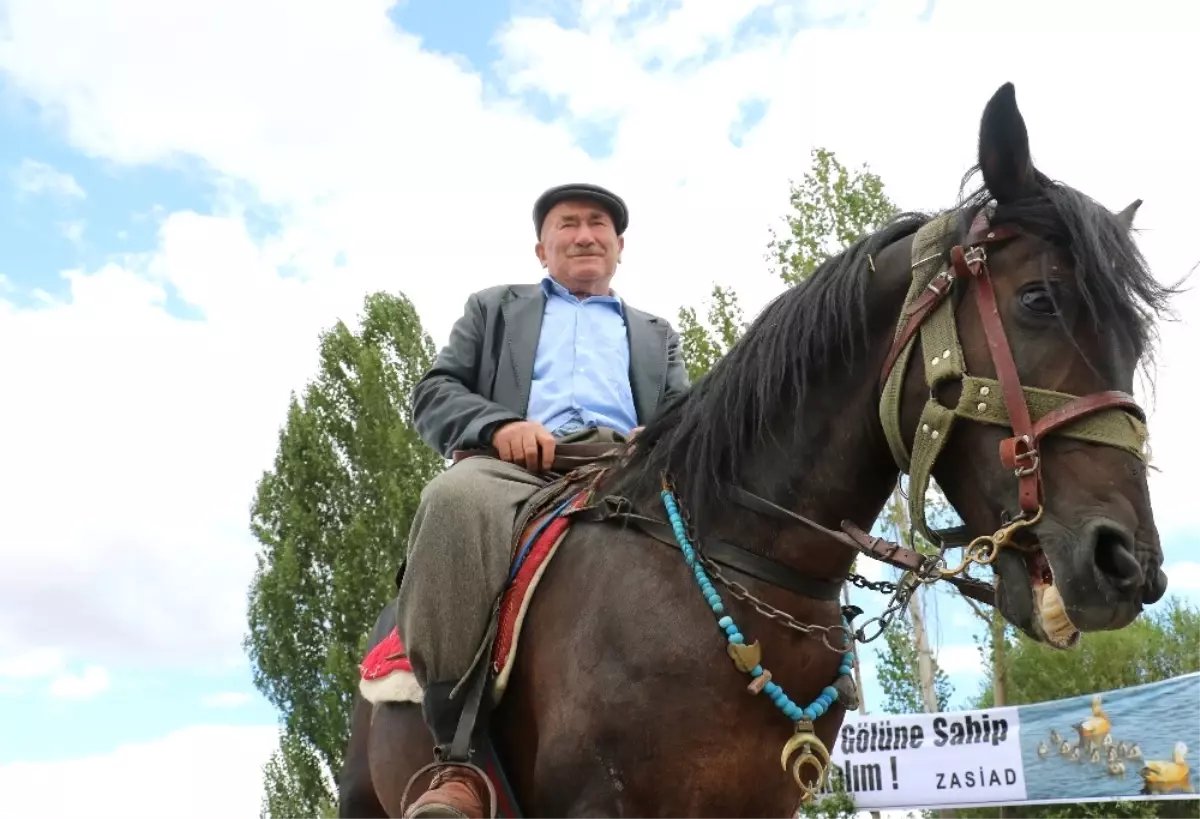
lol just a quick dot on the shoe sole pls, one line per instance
(436, 812)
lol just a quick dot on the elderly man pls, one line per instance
(526, 367)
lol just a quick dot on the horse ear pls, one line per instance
(1125, 217)
(1004, 148)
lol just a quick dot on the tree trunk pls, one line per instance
(925, 668)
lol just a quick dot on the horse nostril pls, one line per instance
(1112, 550)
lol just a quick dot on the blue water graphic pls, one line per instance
(1156, 716)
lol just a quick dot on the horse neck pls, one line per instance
(836, 466)
(830, 459)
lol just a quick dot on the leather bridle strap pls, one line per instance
(1019, 452)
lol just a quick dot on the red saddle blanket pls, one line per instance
(386, 673)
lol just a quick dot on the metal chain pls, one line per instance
(932, 569)
(778, 615)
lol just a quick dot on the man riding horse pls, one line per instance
(527, 367)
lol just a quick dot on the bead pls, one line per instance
(760, 677)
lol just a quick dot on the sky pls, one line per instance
(191, 191)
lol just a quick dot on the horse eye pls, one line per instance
(1037, 299)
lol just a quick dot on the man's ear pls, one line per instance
(540, 250)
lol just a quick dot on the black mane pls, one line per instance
(1111, 275)
(705, 438)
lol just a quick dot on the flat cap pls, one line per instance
(608, 200)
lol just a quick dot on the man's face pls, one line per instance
(580, 246)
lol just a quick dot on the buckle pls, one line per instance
(1030, 454)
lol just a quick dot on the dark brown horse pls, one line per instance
(623, 700)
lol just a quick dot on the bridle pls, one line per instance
(1107, 417)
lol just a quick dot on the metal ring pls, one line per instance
(860, 633)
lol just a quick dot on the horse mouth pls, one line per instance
(1049, 611)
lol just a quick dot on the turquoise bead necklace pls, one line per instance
(736, 639)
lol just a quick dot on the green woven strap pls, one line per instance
(927, 263)
(983, 401)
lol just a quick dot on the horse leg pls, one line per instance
(400, 744)
(367, 777)
(356, 791)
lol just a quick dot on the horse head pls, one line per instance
(1031, 356)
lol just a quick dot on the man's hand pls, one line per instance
(519, 442)
(633, 433)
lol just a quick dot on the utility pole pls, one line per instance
(858, 683)
(925, 668)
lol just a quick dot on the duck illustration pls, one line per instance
(1055, 739)
(1107, 741)
(1122, 748)
(1112, 754)
(1094, 757)
(1042, 749)
(1133, 751)
(1116, 768)
(1075, 754)
(1096, 726)
(1162, 773)
(1064, 748)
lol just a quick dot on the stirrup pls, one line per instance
(487, 781)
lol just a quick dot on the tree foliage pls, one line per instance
(332, 520)
(295, 783)
(831, 207)
(898, 674)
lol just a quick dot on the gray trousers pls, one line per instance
(459, 555)
(458, 562)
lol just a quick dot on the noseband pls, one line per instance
(1109, 417)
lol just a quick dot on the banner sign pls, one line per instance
(1131, 743)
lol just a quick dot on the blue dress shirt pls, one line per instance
(581, 370)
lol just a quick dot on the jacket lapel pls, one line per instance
(523, 313)
(647, 360)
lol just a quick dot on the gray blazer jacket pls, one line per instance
(482, 377)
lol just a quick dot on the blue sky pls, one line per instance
(701, 131)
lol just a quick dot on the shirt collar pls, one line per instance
(551, 287)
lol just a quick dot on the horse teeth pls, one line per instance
(1052, 613)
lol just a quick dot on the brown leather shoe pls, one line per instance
(456, 792)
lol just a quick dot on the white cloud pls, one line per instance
(91, 683)
(218, 767)
(227, 699)
(152, 430)
(49, 666)
(35, 177)
(38, 662)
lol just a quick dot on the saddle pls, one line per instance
(568, 457)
